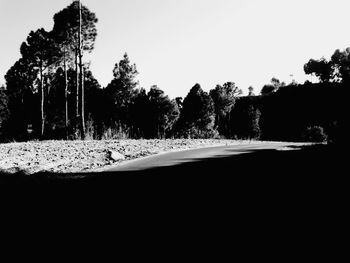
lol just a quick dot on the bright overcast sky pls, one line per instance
(177, 43)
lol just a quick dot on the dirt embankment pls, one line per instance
(84, 156)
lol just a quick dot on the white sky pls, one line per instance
(177, 43)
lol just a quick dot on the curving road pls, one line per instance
(187, 156)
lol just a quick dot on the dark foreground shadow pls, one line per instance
(299, 194)
(279, 201)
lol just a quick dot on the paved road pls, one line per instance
(251, 176)
(188, 156)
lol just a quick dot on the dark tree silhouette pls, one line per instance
(121, 90)
(153, 114)
(4, 110)
(197, 117)
(320, 68)
(21, 77)
(40, 51)
(245, 119)
(253, 122)
(286, 114)
(273, 87)
(179, 102)
(163, 113)
(55, 103)
(55, 106)
(224, 99)
(92, 89)
(337, 69)
(251, 91)
(341, 65)
(75, 31)
(140, 114)
(20, 85)
(66, 26)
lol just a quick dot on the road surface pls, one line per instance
(193, 155)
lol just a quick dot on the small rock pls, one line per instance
(115, 156)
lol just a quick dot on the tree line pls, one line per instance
(51, 94)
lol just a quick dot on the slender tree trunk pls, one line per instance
(218, 121)
(82, 113)
(65, 91)
(76, 122)
(42, 117)
(77, 115)
(81, 81)
(229, 124)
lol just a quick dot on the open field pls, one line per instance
(87, 156)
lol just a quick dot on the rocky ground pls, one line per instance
(87, 156)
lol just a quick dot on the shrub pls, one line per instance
(195, 133)
(315, 134)
(103, 132)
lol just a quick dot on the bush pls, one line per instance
(245, 121)
(195, 133)
(315, 134)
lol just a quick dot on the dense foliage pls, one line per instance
(197, 118)
(48, 88)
